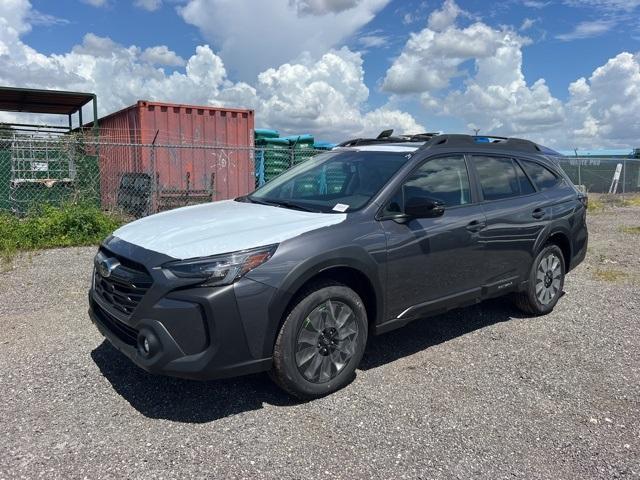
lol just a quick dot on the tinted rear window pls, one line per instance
(501, 178)
(541, 176)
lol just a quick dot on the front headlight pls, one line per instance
(221, 269)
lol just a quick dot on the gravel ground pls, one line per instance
(481, 392)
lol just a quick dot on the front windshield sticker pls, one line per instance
(340, 207)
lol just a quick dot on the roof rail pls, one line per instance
(489, 141)
(386, 136)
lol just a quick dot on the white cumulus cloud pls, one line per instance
(325, 95)
(602, 110)
(255, 35)
(431, 58)
(496, 98)
(161, 55)
(445, 16)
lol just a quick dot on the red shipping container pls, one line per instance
(199, 153)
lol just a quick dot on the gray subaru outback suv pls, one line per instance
(293, 278)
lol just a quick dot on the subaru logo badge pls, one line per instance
(105, 266)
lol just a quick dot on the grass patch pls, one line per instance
(633, 201)
(632, 230)
(612, 276)
(595, 205)
(49, 226)
(601, 202)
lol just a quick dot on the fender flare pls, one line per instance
(548, 232)
(352, 257)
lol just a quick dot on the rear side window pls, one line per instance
(541, 176)
(501, 178)
(526, 187)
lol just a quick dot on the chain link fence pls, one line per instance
(141, 179)
(131, 178)
(598, 175)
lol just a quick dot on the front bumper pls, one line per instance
(190, 332)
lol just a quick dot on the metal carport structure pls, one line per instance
(53, 102)
(40, 163)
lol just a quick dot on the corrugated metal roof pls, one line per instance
(42, 101)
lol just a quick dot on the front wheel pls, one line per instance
(321, 342)
(546, 280)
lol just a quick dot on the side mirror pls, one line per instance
(422, 207)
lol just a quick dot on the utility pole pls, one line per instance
(476, 130)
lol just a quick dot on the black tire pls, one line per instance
(530, 301)
(288, 347)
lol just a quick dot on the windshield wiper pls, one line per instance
(282, 203)
(295, 206)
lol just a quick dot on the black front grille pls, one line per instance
(124, 287)
(124, 332)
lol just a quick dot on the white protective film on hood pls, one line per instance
(221, 227)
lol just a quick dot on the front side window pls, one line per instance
(443, 179)
(336, 181)
(501, 178)
(541, 176)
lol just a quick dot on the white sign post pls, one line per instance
(616, 179)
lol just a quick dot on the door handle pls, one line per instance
(538, 213)
(476, 225)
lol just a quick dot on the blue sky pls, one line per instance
(376, 74)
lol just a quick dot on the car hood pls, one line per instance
(221, 227)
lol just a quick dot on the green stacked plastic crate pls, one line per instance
(263, 133)
(277, 157)
(276, 154)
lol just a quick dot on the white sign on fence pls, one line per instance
(616, 179)
(584, 161)
(39, 166)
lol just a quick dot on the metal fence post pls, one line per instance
(153, 200)
(260, 164)
(579, 173)
(624, 171)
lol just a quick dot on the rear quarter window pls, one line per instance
(501, 178)
(542, 177)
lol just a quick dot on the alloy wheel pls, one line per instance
(326, 341)
(548, 276)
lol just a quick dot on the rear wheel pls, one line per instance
(546, 280)
(321, 342)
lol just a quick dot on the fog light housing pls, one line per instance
(148, 344)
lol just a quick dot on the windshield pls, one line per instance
(337, 181)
